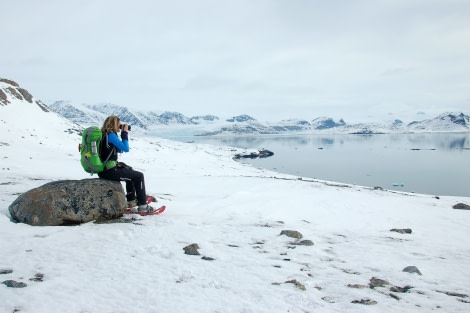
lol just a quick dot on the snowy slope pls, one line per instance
(235, 213)
(33, 138)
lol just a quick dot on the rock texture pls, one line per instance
(14, 284)
(461, 206)
(377, 282)
(192, 249)
(412, 269)
(70, 202)
(402, 230)
(292, 233)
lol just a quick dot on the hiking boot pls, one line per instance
(131, 204)
(145, 208)
(133, 210)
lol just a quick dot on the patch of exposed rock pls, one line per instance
(412, 269)
(365, 302)
(402, 230)
(377, 282)
(461, 206)
(297, 284)
(14, 284)
(292, 234)
(192, 249)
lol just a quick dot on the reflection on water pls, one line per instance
(448, 141)
(431, 163)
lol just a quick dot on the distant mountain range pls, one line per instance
(86, 114)
(209, 125)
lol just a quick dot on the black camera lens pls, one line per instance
(128, 127)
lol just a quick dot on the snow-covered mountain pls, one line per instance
(245, 124)
(10, 91)
(241, 119)
(447, 122)
(268, 242)
(443, 122)
(33, 115)
(94, 114)
(79, 114)
(326, 123)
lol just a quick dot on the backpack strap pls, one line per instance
(109, 164)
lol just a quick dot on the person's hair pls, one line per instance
(111, 124)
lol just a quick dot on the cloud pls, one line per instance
(308, 55)
(34, 61)
(399, 71)
(209, 83)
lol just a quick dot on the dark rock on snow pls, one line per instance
(412, 269)
(376, 282)
(357, 286)
(400, 289)
(192, 249)
(402, 230)
(70, 202)
(306, 242)
(263, 153)
(365, 302)
(14, 284)
(453, 294)
(292, 234)
(296, 284)
(39, 277)
(394, 296)
(461, 206)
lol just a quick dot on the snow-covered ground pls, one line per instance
(235, 214)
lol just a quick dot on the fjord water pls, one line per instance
(430, 163)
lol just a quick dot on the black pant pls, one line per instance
(135, 185)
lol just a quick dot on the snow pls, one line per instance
(235, 213)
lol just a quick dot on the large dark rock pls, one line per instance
(377, 282)
(192, 249)
(292, 233)
(461, 206)
(70, 202)
(263, 153)
(402, 230)
(412, 269)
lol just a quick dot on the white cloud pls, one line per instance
(344, 56)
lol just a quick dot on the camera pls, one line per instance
(128, 127)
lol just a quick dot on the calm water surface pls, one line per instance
(431, 163)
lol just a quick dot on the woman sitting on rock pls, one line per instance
(110, 146)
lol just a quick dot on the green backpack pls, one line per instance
(90, 151)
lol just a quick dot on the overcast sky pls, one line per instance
(270, 59)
